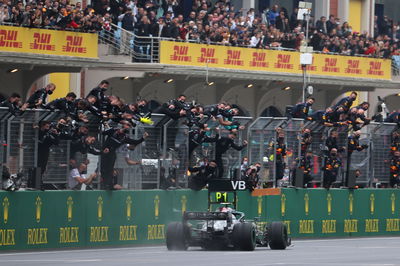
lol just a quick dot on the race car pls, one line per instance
(225, 228)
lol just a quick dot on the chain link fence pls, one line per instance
(162, 160)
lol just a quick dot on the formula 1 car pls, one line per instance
(224, 229)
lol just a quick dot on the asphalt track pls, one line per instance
(352, 252)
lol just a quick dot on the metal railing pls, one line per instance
(163, 158)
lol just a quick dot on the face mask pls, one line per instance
(201, 163)
(333, 154)
(258, 168)
(49, 92)
(245, 163)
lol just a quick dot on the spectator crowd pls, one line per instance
(209, 21)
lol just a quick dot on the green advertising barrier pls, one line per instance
(61, 219)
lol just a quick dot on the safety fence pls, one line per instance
(163, 159)
(71, 219)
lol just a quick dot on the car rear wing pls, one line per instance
(206, 216)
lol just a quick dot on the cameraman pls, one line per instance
(77, 179)
(251, 176)
(204, 174)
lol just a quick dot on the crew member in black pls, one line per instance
(65, 104)
(346, 102)
(280, 154)
(301, 110)
(306, 165)
(114, 139)
(306, 141)
(204, 174)
(48, 136)
(38, 98)
(251, 176)
(353, 144)
(395, 169)
(13, 103)
(395, 145)
(222, 145)
(331, 168)
(393, 117)
(176, 108)
(198, 137)
(98, 92)
(331, 142)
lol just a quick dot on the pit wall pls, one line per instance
(62, 219)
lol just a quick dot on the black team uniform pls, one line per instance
(204, 174)
(114, 139)
(280, 154)
(198, 137)
(395, 171)
(353, 144)
(40, 94)
(331, 170)
(222, 145)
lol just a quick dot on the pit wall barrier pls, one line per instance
(63, 219)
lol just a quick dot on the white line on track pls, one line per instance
(50, 260)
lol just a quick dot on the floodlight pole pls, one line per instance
(307, 18)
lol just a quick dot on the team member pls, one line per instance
(223, 144)
(39, 97)
(78, 179)
(114, 139)
(13, 103)
(331, 168)
(302, 110)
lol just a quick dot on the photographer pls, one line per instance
(204, 174)
(78, 179)
(251, 176)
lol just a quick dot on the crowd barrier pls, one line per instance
(66, 219)
(164, 154)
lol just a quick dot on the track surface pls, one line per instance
(352, 252)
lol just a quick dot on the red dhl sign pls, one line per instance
(51, 42)
(181, 54)
(42, 41)
(259, 59)
(8, 38)
(207, 56)
(189, 54)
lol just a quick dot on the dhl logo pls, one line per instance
(284, 61)
(353, 67)
(330, 62)
(180, 54)
(8, 38)
(330, 65)
(41, 41)
(207, 56)
(74, 45)
(234, 58)
(259, 60)
(375, 68)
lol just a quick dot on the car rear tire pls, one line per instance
(177, 236)
(244, 236)
(278, 236)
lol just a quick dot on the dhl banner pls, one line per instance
(190, 54)
(49, 42)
